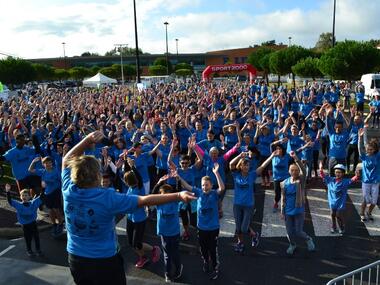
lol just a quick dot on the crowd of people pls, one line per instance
(170, 150)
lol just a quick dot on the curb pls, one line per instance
(16, 232)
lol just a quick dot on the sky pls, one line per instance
(37, 29)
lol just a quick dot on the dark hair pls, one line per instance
(166, 188)
(137, 144)
(185, 157)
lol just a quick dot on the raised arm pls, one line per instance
(219, 179)
(265, 163)
(79, 148)
(31, 166)
(299, 164)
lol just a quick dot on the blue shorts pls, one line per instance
(243, 216)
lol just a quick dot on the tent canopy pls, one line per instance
(97, 80)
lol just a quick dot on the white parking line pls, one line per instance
(7, 249)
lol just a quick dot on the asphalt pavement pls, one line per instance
(267, 264)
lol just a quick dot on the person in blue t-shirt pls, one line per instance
(375, 110)
(208, 219)
(168, 229)
(370, 177)
(244, 199)
(263, 139)
(20, 158)
(353, 141)
(90, 210)
(293, 205)
(27, 215)
(280, 162)
(337, 195)
(136, 220)
(51, 181)
(338, 137)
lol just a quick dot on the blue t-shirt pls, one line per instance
(244, 188)
(51, 178)
(168, 220)
(207, 145)
(338, 144)
(141, 163)
(294, 143)
(280, 167)
(370, 169)
(263, 144)
(337, 192)
(353, 137)
(90, 218)
(20, 160)
(139, 214)
(207, 209)
(290, 190)
(359, 97)
(26, 212)
(162, 162)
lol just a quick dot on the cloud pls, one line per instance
(40, 27)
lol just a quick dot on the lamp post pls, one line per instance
(290, 41)
(120, 46)
(176, 45)
(64, 54)
(167, 52)
(333, 31)
(138, 77)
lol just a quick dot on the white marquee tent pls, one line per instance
(97, 80)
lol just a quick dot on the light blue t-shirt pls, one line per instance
(370, 169)
(20, 160)
(90, 217)
(168, 219)
(337, 192)
(51, 178)
(290, 190)
(244, 188)
(26, 212)
(207, 209)
(280, 167)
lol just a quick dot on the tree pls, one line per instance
(277, 63)
(260, 59)
(157, 70)
(184, 72)
(294, 54)
(87, 53)
(162, 61)
(126, 51)
(16, 71)
(110, 71)
(79, 72)
(61, 74)
(43, 72)
(324, 42)
(349, 60)
(93, 70)
(307, 67)
(269, 43)
(183, 65)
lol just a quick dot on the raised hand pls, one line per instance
(361, 132)
(94, 137)
(215, 169)
(7, 187)
(292, 154)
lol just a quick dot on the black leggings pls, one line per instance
(186, 213)
(315, 160)
(30, 233)
(208, 242)
(97, 271)
(277, 190)
(352, 149)
(265, 172)
(135, 233)
(376, 119)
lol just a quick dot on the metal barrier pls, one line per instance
(366, 275)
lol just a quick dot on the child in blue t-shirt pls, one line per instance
(136, 220)
(337, 195)
(27, 215)
(168, 229)
(208, 219)
(370, 176)
(51, 182)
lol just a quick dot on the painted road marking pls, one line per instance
(7, 249)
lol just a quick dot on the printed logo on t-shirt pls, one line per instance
(80, 219)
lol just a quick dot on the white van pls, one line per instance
(371, 83)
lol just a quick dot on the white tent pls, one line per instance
(98, 80)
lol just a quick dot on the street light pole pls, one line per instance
(138, 77)
(333, 31)
(167, 51)
(64, 54)
(176, 44)
(290, 41)
(121, 60)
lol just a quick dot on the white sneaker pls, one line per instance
(291, 249)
